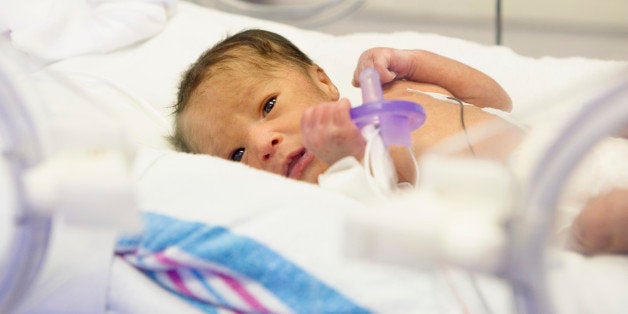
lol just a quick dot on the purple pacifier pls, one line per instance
(396, 118)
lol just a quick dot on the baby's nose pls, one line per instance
(266, 145)
(271, 149)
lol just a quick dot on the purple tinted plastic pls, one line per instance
(370, 85)
(396, 119)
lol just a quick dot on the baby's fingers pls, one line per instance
(378, 59)
(382, 66)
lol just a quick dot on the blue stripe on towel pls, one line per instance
(301, 291)
(207, 287)
(128, 243)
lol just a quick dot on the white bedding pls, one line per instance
(51, 30)
(139, 83)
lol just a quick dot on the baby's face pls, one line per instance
(255, 118)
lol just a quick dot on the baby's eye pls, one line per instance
(237, 154)
(269, 105)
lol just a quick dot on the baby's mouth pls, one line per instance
(297, 162)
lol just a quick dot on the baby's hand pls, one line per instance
(602, 226)
(391, 64)
(329, 133)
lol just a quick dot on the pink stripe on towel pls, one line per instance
(243, 293)
(179, 283)
(162, 258)
(233, 283)
(173, 274)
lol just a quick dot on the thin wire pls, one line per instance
(478, 292)
(464, 308)
(416, 166)
(464, 126)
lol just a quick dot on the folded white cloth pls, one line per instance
(55, 30)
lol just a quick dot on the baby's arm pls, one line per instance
(602, 226)
(330, 134)
(461, 80)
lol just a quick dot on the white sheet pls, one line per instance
(54, 30)
(143, 78)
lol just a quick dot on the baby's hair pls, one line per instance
(257, 47)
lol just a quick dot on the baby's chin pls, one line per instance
(312, 172)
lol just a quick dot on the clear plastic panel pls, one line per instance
(25, 234)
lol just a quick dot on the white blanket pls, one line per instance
(282, 216)
(55, 30)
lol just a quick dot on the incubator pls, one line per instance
(66, 193)
(67, 188)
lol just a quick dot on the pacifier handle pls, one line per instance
(395, 119)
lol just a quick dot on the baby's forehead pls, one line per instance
(231, 85)
(253, 66)
(235, 79)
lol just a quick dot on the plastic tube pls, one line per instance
(32, 231)
(601, 117)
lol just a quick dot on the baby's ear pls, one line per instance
(325, 83)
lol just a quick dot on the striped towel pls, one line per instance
(221, 272)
